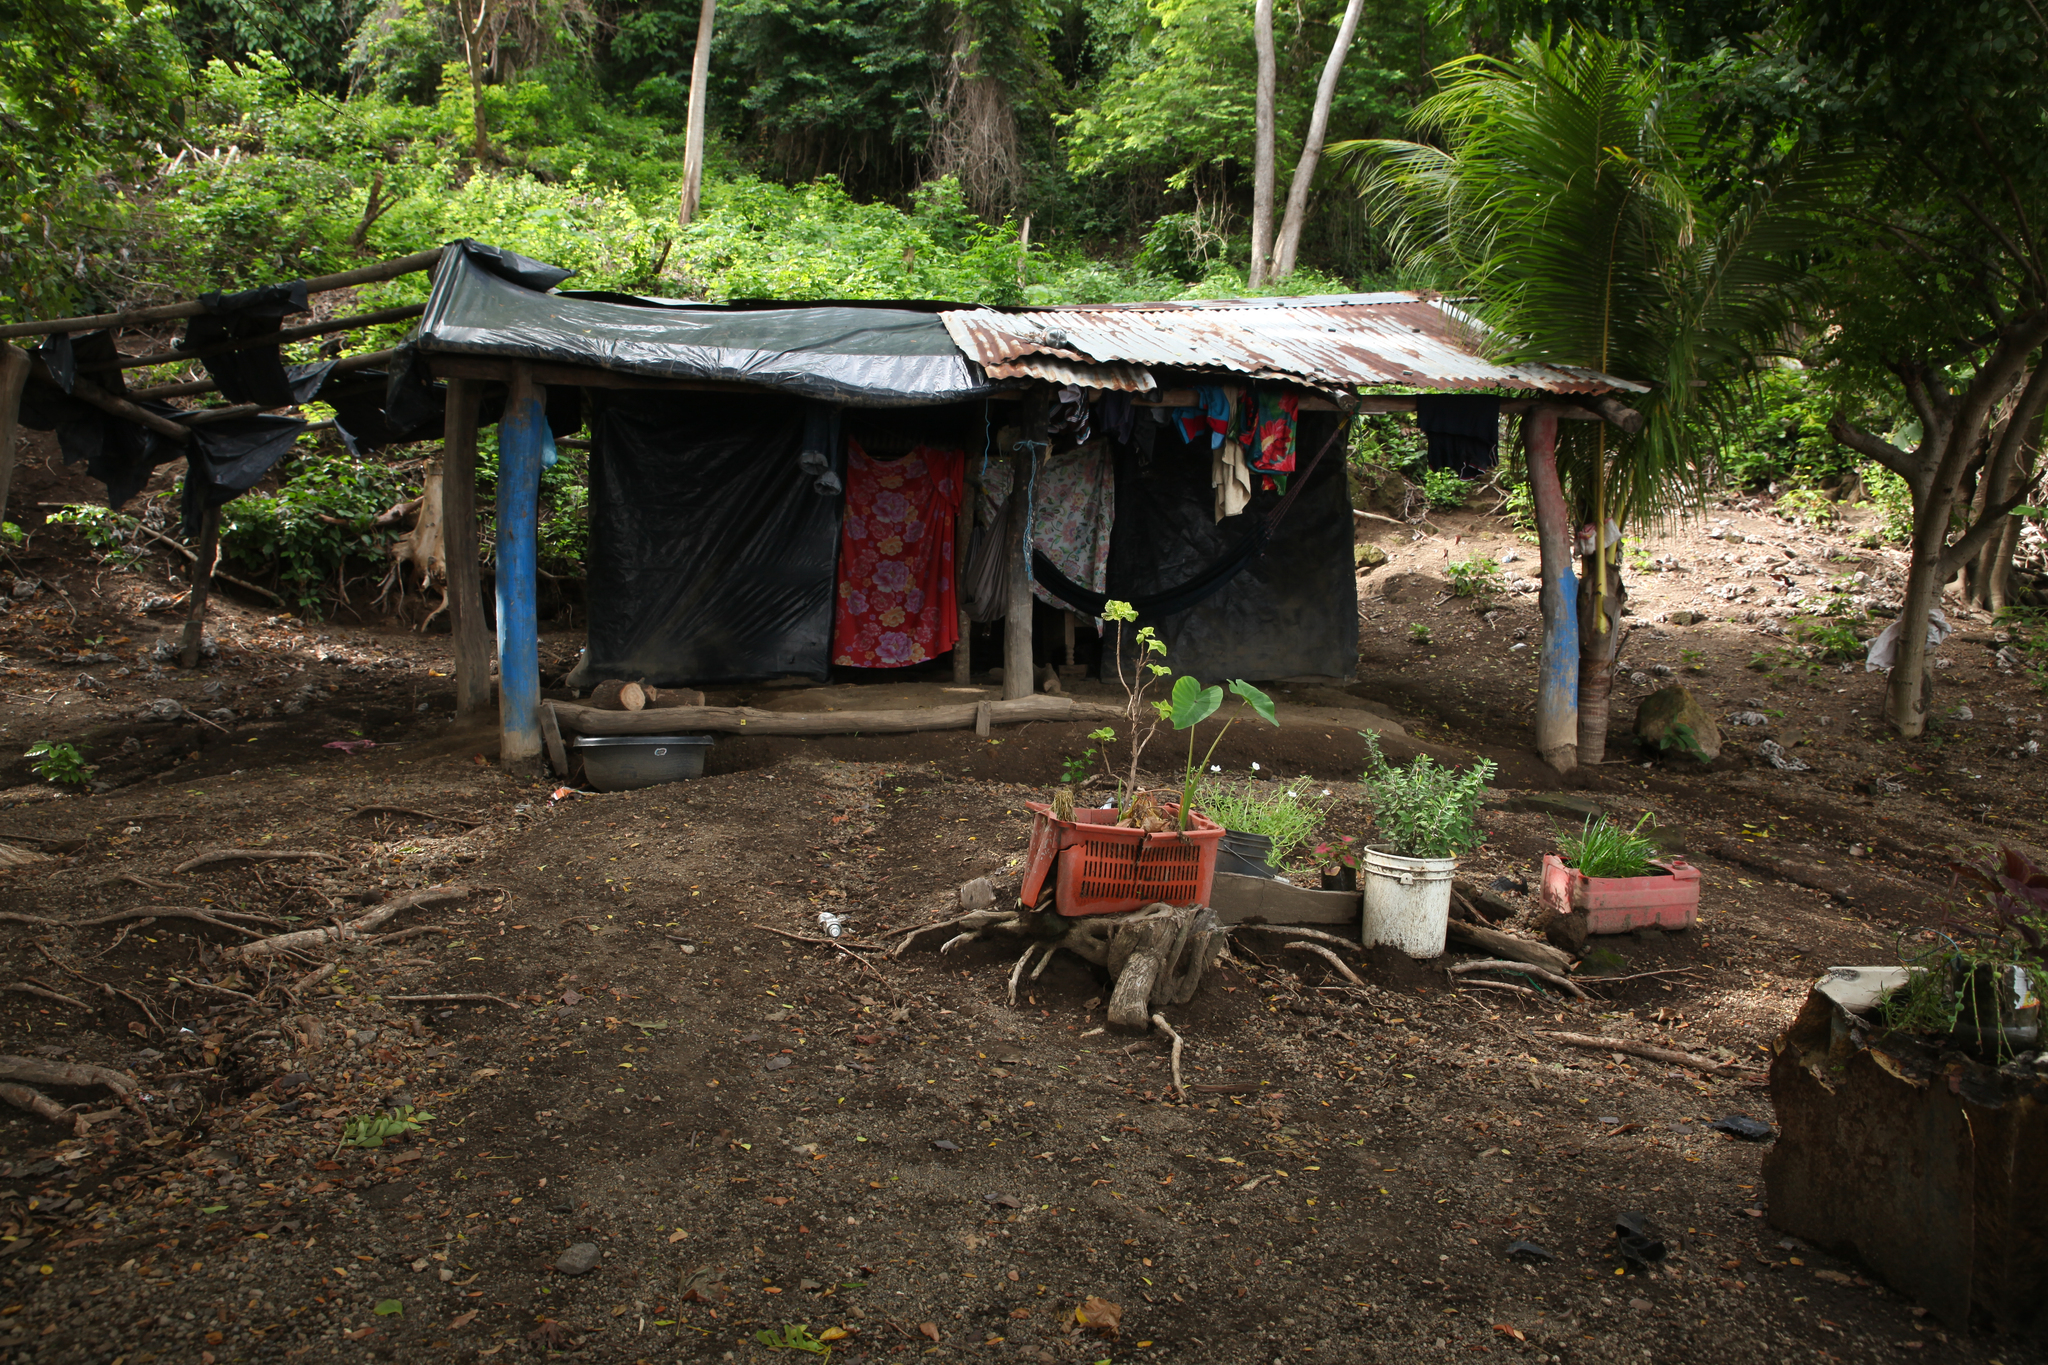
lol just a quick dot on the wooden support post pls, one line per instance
(963, 532)
(1067, 621)
(1018, 675)
(13, 378)
(523, 439)
(202, 585)
(459, 548)
(1557, 694)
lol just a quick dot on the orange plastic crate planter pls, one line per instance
(1103, 870)
(1616, 905)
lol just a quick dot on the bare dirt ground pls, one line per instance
(750, 1131)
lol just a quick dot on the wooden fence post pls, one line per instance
(459, 548)
(1017, 672)
(202, 586)
(963, 534)
(13, 378)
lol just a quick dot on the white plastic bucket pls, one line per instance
(1407, 901)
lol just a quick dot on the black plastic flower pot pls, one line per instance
(1244, 854)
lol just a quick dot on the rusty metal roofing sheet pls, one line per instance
(1412, 340)
(1056, 370)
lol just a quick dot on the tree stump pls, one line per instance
(1157, 955)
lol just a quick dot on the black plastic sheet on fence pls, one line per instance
(713, 541)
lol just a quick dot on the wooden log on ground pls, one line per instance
(22, 1097)
(256, 855)
(747, 720)
(1508, 945)
(1643, 1050)
(79, 1075)
(303, 939)
(614, 694)
(551, 736)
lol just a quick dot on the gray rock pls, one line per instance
(1662, 714)
(580, 1259)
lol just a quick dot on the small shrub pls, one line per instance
(1418, 633)
(55, 761)
(1809, 506)
(108, 532)
(1444, 489)
(1475, 577)
(1604, 849)
(1834, 640)
(1425, 810)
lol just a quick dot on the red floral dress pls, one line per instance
(896, 598)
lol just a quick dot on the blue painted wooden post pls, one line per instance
(1557, 686)
(523, 443)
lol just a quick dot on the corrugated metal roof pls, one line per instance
(1413, 340)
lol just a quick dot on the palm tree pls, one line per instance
(1566, 186)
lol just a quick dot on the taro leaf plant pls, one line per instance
(1192, 704)
(1425, 810)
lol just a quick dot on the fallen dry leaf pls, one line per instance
(835, 1334)
(930, 1329)
(1099, 1314)
(463, 1320)
(1510, 1330)
(678, 1235)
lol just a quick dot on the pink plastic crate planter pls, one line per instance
(1103, 870)
(1614, 905)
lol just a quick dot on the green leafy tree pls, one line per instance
(86, 86)
(1569, 191)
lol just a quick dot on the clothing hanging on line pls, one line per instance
(1231, 478)
(1073, 506)
(897, 602)
(1463, 431)
(1211, 414)
(1275, 420)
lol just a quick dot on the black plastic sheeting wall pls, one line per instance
(1292, 611)
(713, 551)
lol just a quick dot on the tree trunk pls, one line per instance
(1312, 145)
(1998, 591)
(1906, 697)
(473, 56)
(693, 133)
(193, 645)
(1264, 171)
(1597, 650)
(1557, 702)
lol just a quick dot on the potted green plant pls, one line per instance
(1338, 858)
(1607, 879)
(1910, 1102)
(1263, 822)
(1426, 816)
(1141, 850)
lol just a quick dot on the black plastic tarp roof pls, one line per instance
(862, 357)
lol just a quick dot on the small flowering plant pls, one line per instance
(1341, 851)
